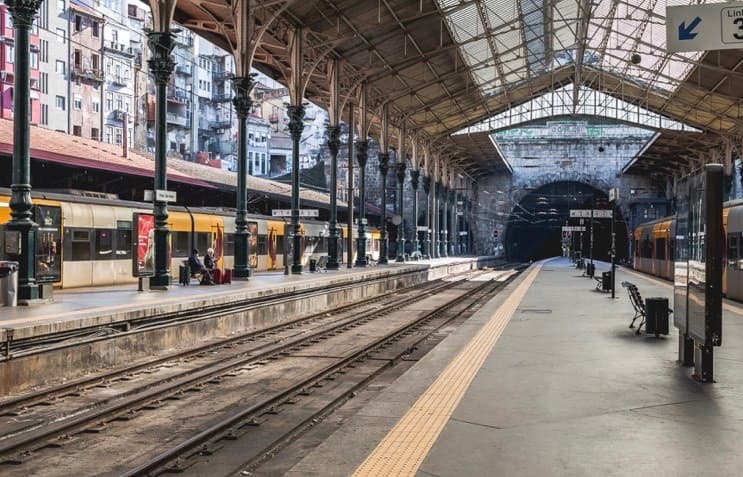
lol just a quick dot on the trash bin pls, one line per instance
(656, 316)
(184, 274)
(8, 283)
(313, 265)
(606, 281)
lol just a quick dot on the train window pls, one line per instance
(229, 245)
(103, 244)
(660, 249)
(123, 243)
(647, 248)
(80, 245)
(181, 245)
(733, 251)
(262, 245)
(203, 241)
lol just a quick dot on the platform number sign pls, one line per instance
(716, 26)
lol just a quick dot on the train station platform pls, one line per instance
(547, 379)
(112, 321)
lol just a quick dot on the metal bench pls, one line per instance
(370, 260)
(637, 303)
(322, 263)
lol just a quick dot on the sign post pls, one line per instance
(716, 26)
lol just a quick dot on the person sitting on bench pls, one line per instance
(197, 267)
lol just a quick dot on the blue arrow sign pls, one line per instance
(688, 33)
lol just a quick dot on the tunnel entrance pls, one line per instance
(534, 229)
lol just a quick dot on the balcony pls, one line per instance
(119, 80)
(177, 119)
(220, 124)
(183, 69)
(221, 75)
(88, 74)
(222, 97)
(119, 48)
(118, 115)
(177, 95)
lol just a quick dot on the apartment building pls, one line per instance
(86, 71)
(54, 71)
(7, 68)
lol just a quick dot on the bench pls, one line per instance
(416, 256)
(185, 275)
(370, 260)
(322, 264)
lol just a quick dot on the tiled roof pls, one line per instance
(53, 146)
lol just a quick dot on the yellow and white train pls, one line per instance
(87, 241)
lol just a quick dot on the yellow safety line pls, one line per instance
(725, 305)
(402, 451)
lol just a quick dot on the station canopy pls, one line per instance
(445, 65)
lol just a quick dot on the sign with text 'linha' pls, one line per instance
(717, 26)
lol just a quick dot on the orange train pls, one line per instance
(87, 241)
(655, 248)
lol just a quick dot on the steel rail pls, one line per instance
(204, 436)
(37, 437)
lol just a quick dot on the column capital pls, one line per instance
(362, 152)
(415, 175)
(334, 139)
(161, 63)
(243, 103)
(296, 124)
(426, 184)
(384, 163)
(23, 12)
(401, 171)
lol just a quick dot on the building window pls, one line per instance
(44, 114)
(60, 67)
(60, 102)
(61, 36)
(78, 58)
(77, 103)
(119, 102)
(109, 101)
(96, 61)
(34, 60)
(117, 136)
(44, 77)
(95, 106)
(61, 5)
(77, 130)
(96, 30)
(95, 134)
(78, 23)
(109, 134)
(9, 53)
(44, 47)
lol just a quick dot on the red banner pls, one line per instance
(143, 255)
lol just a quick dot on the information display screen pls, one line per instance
(681, 259)
(697, 256)
(48, 243)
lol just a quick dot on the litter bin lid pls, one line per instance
(9, 265)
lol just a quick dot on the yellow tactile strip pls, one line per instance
(402, 451)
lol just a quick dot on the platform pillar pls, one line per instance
(400, 208)
(20, 231)
(296, 126)
(161, 63)
(444, 194)
(334, 144)
(415, 175)
(243, 104)
(426, 245)
(362, 154)
(350, 147)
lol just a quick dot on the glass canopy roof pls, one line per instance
(505, 42)
(590, 103)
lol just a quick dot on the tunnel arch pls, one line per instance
(534, 226)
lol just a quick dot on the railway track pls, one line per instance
(183, 376)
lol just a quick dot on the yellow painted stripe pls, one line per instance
(402, 451)
(725, 305)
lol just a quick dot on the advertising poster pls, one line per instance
(253, 244)
(143, 255)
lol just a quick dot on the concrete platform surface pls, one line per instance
(78, 308)
(567, 390)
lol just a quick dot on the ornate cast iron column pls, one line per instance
(384, 167)
(161, 65)
(454, 233)
(401, 209)
(414, 179)
(362, 154)
(296, 126)
(444, 220)
(334, 144)
(243, 104)
(426, 249)
(20, 231)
